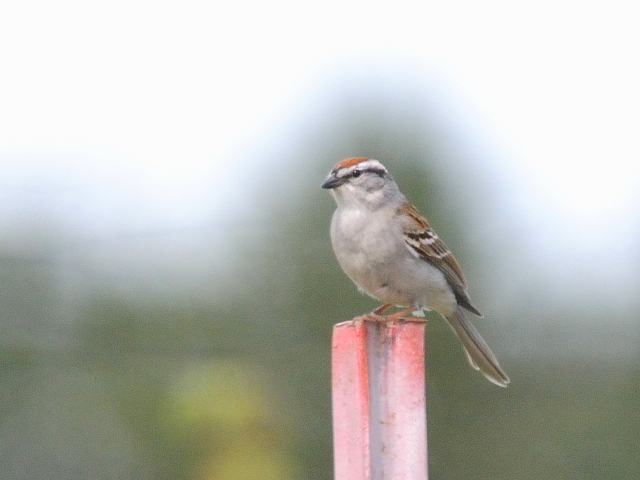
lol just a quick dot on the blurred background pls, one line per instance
(167, 285)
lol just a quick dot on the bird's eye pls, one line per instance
(356, 173)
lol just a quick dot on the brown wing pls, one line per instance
(422, 240)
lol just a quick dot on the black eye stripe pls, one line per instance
(358, 172)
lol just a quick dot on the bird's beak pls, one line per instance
(332, 181)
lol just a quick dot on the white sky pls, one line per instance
(171, 88)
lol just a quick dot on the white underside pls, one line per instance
(380, 263)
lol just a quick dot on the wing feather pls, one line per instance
(423, 241)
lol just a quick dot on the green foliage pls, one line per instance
(111, 381)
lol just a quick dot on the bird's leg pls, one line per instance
(381, 309)
(398, 315)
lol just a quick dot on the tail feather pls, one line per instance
(478, 352)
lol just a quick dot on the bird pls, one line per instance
(391, 252)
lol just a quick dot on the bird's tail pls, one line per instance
(478, 352)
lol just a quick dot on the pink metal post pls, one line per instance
(379, 414)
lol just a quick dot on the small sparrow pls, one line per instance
(389, 250)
